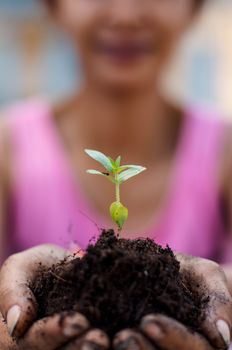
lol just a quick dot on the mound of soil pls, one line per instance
(119, 281)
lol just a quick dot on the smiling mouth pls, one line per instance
(125, 52)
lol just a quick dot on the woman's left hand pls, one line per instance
(217, 325)
(160, 332)
(168, 334)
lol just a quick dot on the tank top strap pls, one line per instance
(203, 142)
(43, 184)
(26, 119)
(193, 221)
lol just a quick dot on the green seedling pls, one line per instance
(117, 174)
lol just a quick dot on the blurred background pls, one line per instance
(35, 59)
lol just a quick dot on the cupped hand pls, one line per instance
(160, 332)
(217, 324)
(60, 332)
(18, 308)
(17, 302)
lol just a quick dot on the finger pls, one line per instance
(6, 342)
(17, 302)
(94, 339)
(52, 332)
(131, 340)
(169, 334)
(218, 322)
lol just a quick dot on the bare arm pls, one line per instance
(5, 340)
(4, 187)
(2, 221)
(228, 272)
(227, 197)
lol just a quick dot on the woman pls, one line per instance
(45, 192)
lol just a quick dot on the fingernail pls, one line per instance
(153, 330)
(90, 346)
(12, 318)
(72, 327)
(97, 337)
(129, 344)
(224, 331)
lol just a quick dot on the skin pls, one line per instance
(120, 91)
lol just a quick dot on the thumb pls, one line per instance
(218, 313)
(17, 301)
(218, 321)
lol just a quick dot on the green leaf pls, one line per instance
(118, 161)
(96, 172)
(124, 167)
(127, 174)
(101, 158)
(112, 161)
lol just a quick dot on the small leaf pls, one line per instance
(118, 161)
(112, 162)
(114, 165)
(124, 167)
(101, 158)
(127, 174)
(96, 172)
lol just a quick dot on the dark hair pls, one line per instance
(199, 2)
(52, 3)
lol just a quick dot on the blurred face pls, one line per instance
(124, 43)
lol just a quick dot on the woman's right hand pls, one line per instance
(18, 329)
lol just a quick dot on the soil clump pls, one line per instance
(117, 282)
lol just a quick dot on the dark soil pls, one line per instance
(119, 281)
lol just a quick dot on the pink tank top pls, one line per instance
(48, 206)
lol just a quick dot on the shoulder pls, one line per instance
(206, 133)
(18, 121)
(210, 133)
(207, 117)
(14, 118)
(25, 110)
(208, 127)
(216, 131)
